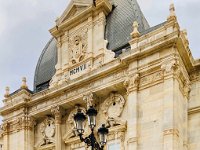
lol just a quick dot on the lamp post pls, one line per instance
(91, 141)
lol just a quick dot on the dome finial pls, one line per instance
(135, 32)
(7, 92)
(24, 85)
(172, 15)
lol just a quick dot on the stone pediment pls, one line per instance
(75, 8)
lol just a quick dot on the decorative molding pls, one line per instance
(113, 107)
(152, 78)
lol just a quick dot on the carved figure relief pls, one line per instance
(78, 47)
(47, 129)
(112, 108)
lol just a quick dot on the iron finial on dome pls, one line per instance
(24, 85)
(7, 92)
(135, 32)
(172, 15)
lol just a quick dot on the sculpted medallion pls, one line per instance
(47, 129)
(112, 108)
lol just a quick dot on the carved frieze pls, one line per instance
(113, 107)
(152, 78)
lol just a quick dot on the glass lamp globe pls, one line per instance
(79, 119)
(92, 113)
(103, 132)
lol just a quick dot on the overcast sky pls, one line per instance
(24, 26)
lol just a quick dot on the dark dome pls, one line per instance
(46, 66)
(118, 29)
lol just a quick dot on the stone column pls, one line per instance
(56, 111)
(131, 84)
(170, 130)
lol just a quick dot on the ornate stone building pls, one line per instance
(143, 81)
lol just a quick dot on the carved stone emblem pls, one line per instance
(77, 48)
(48, 131)
(112, 108)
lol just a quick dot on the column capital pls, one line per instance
(132, 82)
(88, 98)
(57, 112)
(5, 128)
(170, 66)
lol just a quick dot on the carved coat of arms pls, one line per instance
(77, 48)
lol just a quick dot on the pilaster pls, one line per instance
(131, 83)
(170, 128)
(56, 111)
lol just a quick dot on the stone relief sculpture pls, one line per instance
(112, 108)
(47, 129)
(78, 47)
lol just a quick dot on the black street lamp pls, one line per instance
(91, 140)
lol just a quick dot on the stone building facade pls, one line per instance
(143, 81)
